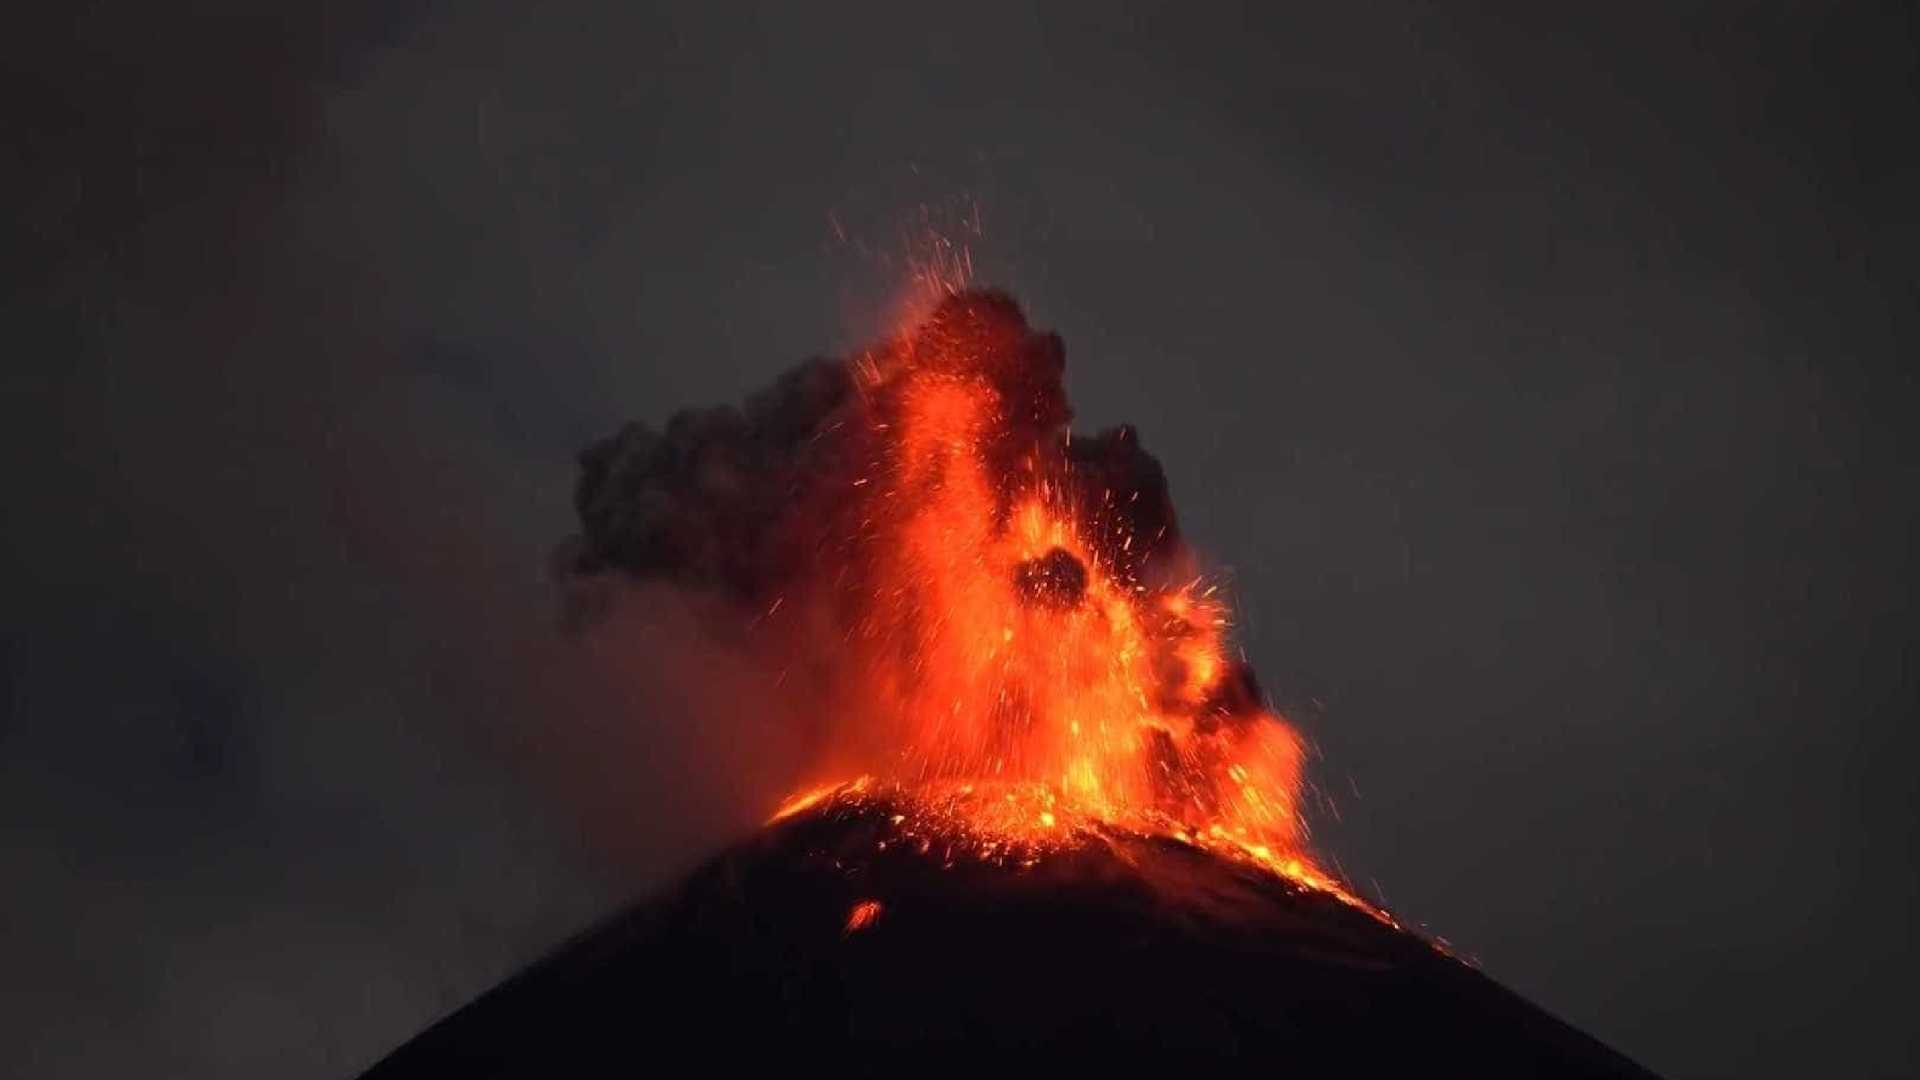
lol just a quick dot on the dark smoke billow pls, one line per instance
(739, 499)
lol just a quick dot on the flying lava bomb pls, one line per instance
(1052, 820)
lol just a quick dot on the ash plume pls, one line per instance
(722, 497)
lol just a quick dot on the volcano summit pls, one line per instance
(866, 935)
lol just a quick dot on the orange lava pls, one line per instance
(1003, 632)
(864, 914)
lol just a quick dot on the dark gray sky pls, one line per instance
(1540, 384)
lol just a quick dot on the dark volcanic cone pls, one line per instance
(851, 938)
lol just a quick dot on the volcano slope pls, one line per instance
(856, 937)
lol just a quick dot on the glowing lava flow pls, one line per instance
(1034, 667)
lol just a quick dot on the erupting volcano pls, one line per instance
(1005, 609)
(1052, 817)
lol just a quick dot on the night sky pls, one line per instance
(1540, 387)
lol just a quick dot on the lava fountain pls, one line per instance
(1015, 627)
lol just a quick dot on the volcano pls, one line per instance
(860, 936)
(1074, 832)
